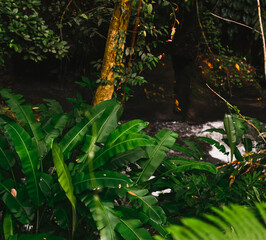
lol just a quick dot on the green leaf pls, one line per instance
(211, 141)
(147, 202)
(7, 225)
(62, 217)
(123, 144)
(132, 230)
(103, 215)
(183, 149)
(76, 134)
(165, 140)
(137, 213)
(46, 184)
(230, 133)
(218, 130)
(234, 222)
(15, 206)
(82, 182)
(195, 148)
(65, 180)
(55, 127)
(149, 8)
(127, 157)
(28, 157)
(6, 155)
(181, 165)
(24, 114)
(109, 119)
(133, 126)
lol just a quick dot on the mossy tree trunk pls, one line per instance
(114, 49)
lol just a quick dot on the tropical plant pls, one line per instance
(224, 225)
(84, 176)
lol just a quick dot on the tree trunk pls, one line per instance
(115, 40)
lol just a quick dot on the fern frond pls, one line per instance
(230, 223)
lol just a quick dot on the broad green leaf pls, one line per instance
(46, 184)
(76, 134)
(89, 148)
(137, 213)
(29, 157)
(165, 140)
(55, 127)
(230, 133)
(8, 225)
(103, 215)
(15, 206)
(181, 165)
(65, 180)
(24, 114)
(123, 144)
(124, 158)
(7, 158)
(132, 230)
(108, 121)
(62, 217)
(147, 202)
(133, 126)
(241, 128)
(82, 182)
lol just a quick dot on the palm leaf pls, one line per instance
(103, 215)
(7, 225)
(234, 222)
(28, 157)
(82, 182)
(132, 230)
(147, 202)
(24, 114)
(65, 180)
(122, 144)
(165, 140)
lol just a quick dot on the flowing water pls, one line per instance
(186, 130)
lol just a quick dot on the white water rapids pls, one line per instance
(186, 130)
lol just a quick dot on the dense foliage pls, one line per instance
(83, 174)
